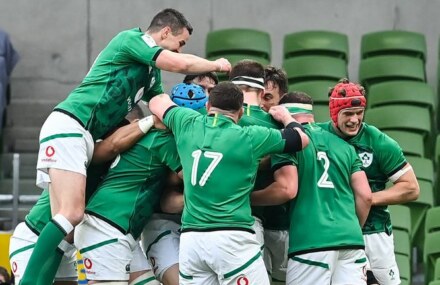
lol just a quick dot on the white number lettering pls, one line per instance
(215, 156)
(324, 181)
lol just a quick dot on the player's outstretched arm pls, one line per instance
(282, 115)
(121, 140)
(190, 64)
(405, 189)
(283, 189)
(362, 195)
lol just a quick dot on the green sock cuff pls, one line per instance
(39, 264)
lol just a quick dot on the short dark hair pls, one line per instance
(277, 76)
(296, 97)
(5, 274)
(190, 77)
(171, 18)
(226, 96)
(247, 67)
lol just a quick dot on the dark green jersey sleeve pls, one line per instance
(390, 156)
(166, 152)
(279, 160)
(356, 164)
(265, 141)
(141, 48)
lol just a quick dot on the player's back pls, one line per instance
(219, 160)
(325, 201)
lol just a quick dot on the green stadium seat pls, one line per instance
(400, 117)
(431, 253)
(317, 89)
(319, 67)
(400, 218)
(393, 42)
(316, 43)
(250, 42)
(423, 168)
(383, 68)
(404, 265)
(437, 151)
(432, 221)
(437, 167)
(411, 143)
(321, 113)
(418, 210)
(437, 270)
(402, 92)
(402, 243)
(435, 282)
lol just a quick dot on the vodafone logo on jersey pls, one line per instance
(88, 263)
(242, 280)
(14, 267)
(49, 152)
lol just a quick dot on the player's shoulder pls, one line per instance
(376, 136)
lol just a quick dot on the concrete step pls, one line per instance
(26, 187)
(28, 163)
(21, 145)
(27, 113)
(21, 139)
(26, 145)
(21, 132)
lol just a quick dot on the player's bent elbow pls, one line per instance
(289, 193)
(413, 191)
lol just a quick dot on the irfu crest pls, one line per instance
(366, 158)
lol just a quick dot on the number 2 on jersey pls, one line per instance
(324, 181)
(215, 156)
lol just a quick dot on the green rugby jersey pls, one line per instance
(131, 190)
(323, 214)
(122, 74)
(220, 160)
(273, 217)
(381, 158)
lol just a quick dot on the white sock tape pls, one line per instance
(63, 222)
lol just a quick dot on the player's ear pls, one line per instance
(240, 113)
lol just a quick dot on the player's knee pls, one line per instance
(74, 217)
(146, 278)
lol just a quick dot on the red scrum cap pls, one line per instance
(345, 95)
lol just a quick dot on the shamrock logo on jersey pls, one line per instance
(391, 273)
(367, 158)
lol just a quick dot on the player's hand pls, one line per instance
(158, 123)
(223, 65)
(281, 114)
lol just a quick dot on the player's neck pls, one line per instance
(251, 98)
(232, 115)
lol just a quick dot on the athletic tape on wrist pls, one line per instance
(146, 123)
